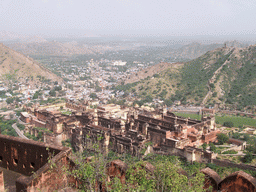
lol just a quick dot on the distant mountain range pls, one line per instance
(195, 49)
(16, 65)
(10, 36)
(50, 48)
(167, 50)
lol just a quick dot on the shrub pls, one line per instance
(222, 138)
(212, 147)
(228, 124)
(204, 146)
(230, 152)
(248, 158)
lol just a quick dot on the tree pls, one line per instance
(93, 174)
(246, 137)
(251, 145)
(212, 147)
(52, 93)
(93, 95)
(248, 158)
(222, 138)
(228, 124)
(9, 100)
(12, 99)
(57, 88)
(120, 102)
(204, 146)
(212, 85)
(37, 94)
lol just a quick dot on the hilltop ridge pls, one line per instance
(225, 75)
(20, 66)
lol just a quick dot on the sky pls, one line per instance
(115, 17)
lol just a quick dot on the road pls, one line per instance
(14, 126)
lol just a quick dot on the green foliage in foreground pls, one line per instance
(225, 171)
(66, 143)
(165, 177)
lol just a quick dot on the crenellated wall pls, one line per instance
(34, 160)
(1, 181)
(24, 156)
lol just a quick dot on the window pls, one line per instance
(15, 162)
(32, 165)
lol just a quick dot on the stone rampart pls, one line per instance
(34, 160)
(224, 163)
(50, 177)
(1, 181)
(24, 156)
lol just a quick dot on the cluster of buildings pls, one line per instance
(94, 76)
(82, 80)
(122, 129)
(23, 91)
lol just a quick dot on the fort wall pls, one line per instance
(50, 177)
(224, 163)
(24, 156)
(39, 163)
(1, 181)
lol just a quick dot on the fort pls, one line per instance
(124, 130)
(135, 130)
(40, 168)
(166, 131)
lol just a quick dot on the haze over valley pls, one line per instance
(126, 95)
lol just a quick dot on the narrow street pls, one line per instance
(18, 131)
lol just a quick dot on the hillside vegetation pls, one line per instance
(224, 75)
(17, 65)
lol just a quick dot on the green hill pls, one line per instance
(18, 66)
(224, 75)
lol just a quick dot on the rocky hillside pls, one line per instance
(224, 75)
(235, 81)
(17, 65)
(184, 53)
(150, 71)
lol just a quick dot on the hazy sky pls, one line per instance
(171, 17)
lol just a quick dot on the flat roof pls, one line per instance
(25, 114)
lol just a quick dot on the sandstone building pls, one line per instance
(125, 130)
